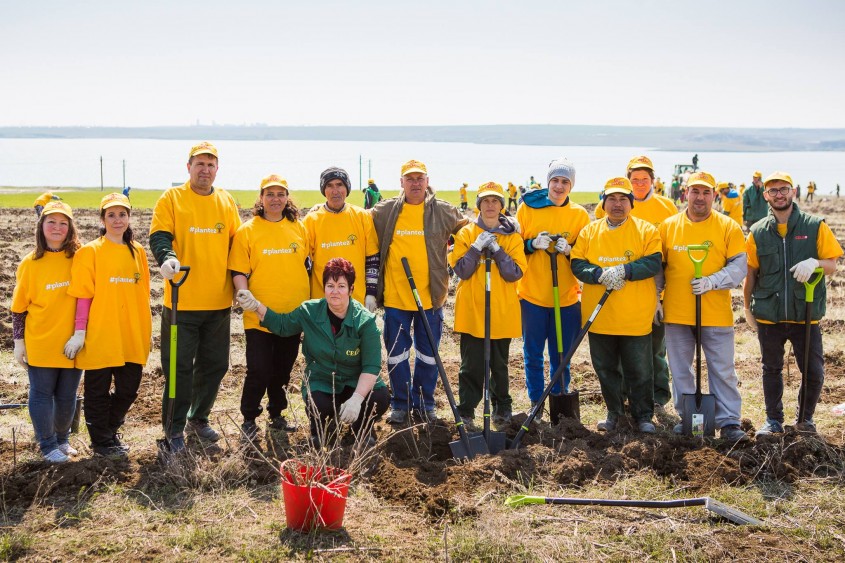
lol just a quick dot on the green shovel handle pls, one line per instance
(698, 262)
(810, 284)
(522, 500)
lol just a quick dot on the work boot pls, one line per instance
(646, 427)
(203, 431)
(502, 420)
(280, 423)
(398, 416)
(678, 428)
(469, 423)
(177, 443)
(109, 450)
(539, 415)
(607, 425)
(807, 427)
(429, 416)
(771, 427)
(733, 433)
(250, 430)
(118, 442)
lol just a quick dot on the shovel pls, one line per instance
(466, 447)
(714, 506)
(699, 410)
(164, 444)
(809, 289)
(559, 371)
(496, 441)
(565, 404)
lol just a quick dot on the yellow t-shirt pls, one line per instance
(536, 285)
(655, 209)
(408, 241)
(629, 311)
(732, 207)
(119, 322)
(349, 234)
(827, 247)
(505, 314)
(463, 193)
(41, 292)
(726, 240)
(43, 200)
(203, 228)
(511, 191)
(273, 255)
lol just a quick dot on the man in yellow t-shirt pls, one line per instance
(43, 200)
(462, 191)
(193, 224)
(623, 254)
(417, 226)
(512, 199)
(731, 202)
(784, 250)
(337, 229)
(653, 208)
(723, 269)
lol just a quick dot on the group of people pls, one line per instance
(299, 283)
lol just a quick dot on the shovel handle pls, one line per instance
(698, 262)
(810, 284)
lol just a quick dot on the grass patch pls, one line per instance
(14, 545)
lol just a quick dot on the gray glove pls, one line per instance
(542, 241)
(20, 352)
(483, 240)
(370, 303)
(563, 246)
(75, 344)
(247, 301)
(613, 277)
(700, 286)
(351, 409)
(169, 268)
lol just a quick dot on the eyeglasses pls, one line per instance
(782, 191)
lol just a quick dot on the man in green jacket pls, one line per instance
(754, 206)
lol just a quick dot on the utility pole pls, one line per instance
(124, 174)
(360, 171)
(101, 173)
(369, 168)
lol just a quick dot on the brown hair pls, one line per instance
(337, 268)
(70, 245)
(128, 236)
(290, 212)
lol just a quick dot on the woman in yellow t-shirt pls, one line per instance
(271, 247)
(111, 342)
(42, 319)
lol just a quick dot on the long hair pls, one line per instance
(69, 246)
(290, 212)
(128, 236)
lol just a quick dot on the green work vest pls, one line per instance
(777, 297)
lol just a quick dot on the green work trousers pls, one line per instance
(662, 387)
(471, 375)
(624, 363)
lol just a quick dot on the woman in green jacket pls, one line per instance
(342, 349)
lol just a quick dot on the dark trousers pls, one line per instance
(471, 375)
(623, 363)
(323, 408)
(105, 411)
(202, 359)
(511, 202)
(269, 361)
(662, 387)
(772, 341)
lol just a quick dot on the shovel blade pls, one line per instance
(699, 418)
(496, 441)
(732, 514)
(477, 446)
(567, 405)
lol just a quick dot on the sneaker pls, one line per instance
(733, 433)
(606, 425)
(67, 449)
(110, 451)
(118, 442)
(807, 426)
(646, 427)
(203, 431)
(250, 430)
(398, 417)
(280, 423)
(771, 427)
(177, 443)
(430, 416)
(56, 456)
(678, 429)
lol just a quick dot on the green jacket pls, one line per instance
(332, 362)
(754, 205)
(777, 297)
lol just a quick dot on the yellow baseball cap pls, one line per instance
(414, 166)
(640, 162)
(273, 180)
(778, 175)
(58, 207)
(619, 185)
(702, 179)
(203, 148)
(371, 181)
(723, 186)
(490, 188)
(110, 200)
(757, 174)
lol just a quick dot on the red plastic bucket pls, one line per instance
(314, 497)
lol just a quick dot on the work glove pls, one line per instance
(563, 246)
(494, 247)
(20, 352)
(613, 277)
(658, 313)
(247, 300)
(700, 286)
(350, 409)
(75, 344)
(803, 270)
(542, 241)
(370, 303)
(483, 240)
(169, 268)
(749, 318)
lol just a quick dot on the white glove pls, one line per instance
(370, 303)
(749, 318)
(613, 278)
(494, 247)
(350, 409)
(542, 241)
(700, 286)
(658, 313)
(247, 300)
(483, 240)
(75, 344)
(169, 268)
(563, 246)
(803, 270)
(20, 352)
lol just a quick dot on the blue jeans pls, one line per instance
(419, 393)
(52, 402)
(538, 326)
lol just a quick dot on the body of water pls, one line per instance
(156, 164)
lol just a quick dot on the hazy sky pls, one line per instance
(647, 62)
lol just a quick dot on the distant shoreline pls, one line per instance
(691, 139)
